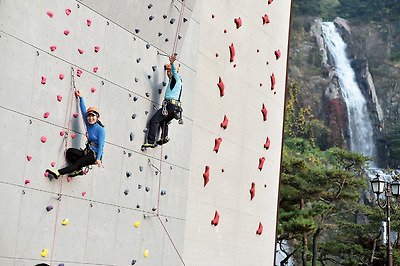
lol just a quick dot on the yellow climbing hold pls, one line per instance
(44, 252)
(65, 222)
(146, 253)
(137, 224)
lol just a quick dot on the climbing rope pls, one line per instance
(65, 161)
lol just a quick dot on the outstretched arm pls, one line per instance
(82, 105)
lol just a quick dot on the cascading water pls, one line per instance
(360, 124)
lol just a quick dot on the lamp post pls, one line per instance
(379, 186)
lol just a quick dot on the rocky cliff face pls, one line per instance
(311, 66)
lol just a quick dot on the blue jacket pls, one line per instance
(174, 85)
(96, 133)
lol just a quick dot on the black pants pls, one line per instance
(78, 159)
(159, 120)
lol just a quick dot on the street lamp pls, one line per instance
(379, 186)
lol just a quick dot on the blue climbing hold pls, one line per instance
(149, 76)
(135, 98)
(140, 168)
(126, 192)
(154, 209)
(146, 112)
(166, 39)
(147, 189)
(151, 18)
(172, 21)
(138, 206)
(164, 83)
(154, 68)
(131, 136)
(148, 45)
(159, 91)
(133, 116)
(129, 154)
(137, 30)
(139, 186)
(147, 94)
(159, 34)
(128, 174)
(165, 16)
(138, 60)
(149, 6)
(136, 79)
(163, 192)
(133, 262)
(185, 19)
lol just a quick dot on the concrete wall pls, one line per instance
(175, 228)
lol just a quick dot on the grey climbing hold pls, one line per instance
(140, 168)
(138, 60)
(138, 206)
(136, 79)
(172, 21)
(156, 172)
(139, 186)
(185, 19)
(154, 68)
(166, 39)
(61, 264)
(149, 76)
(165, 16)
(147, 189)
(49, 208)
(148, 45)
(147, 94)
(145, 130)
(126, 192)
(163, 192)
(159, 34)
(166, 157)
(133, 116)
(131, 136)
(129, 154)
(135, 98)
(154, 209)
(164, 83)
(151, 18)
(179, 37)
(159, 91)
(128, 174)
(137, 30)
(133, 262)
(146, 112)
(150, 6)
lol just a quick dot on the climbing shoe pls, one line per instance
(76, 172)
(53, 174)
(149, 145)
(163, 140)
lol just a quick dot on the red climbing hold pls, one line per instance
(79, 72)
(206, 175)
(53, 164)
(67, 11)
(73, 135)
(264, 112)
(225, 31)
(61, 76)
(59, 98)
(217, 143)
(27, 181)
(252, 190)
(92, 89)
(62, 133)
(238, 22)
(258, 50)
(222, 170)
(260, 84)
(28, 158)
(260, 229)
(75, 115)
(50, 14)
(80, 51)
(261, 163)
(224, 123)
(44, 80)
(69, 179)
(267, 144)
(232, 52)
(221, 87)
(83, 193)
(216, 54)
(273, 81)
(88, 22)
(46, 174)
(277, 54)
(96, 48)
(66, 32)
(265, 19)
(270, 1)
(43, 139)
(53, 47)
(212, 16)
(215, 221)
(46, 114)
(95, 69)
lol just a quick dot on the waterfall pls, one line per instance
(360, 124)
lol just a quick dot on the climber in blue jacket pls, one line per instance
(93, 151)
(171, 107)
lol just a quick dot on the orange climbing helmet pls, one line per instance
(168, 67)
(93, 110)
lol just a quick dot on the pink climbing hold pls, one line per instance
(264, 112)
(222, 170)
(217, 143)
(43, 139)
(61, 76)
(221, 87)
(252, 190)
(59, 98)
(83, 193)
(75, 115)
(270, 1)
(224, 123)
(88, 22)
(225, 31)
(238, 22)
(29, 158)
(212, 16)
(232, 52)
(66, 32)
(215, 221)
(67, 11)
(73, 135)
(62, 133)
(46, 114)
(96, 48)
(50, 14)
(273, 81)
(95, 69)
(206, 175)
(260, 84)
(277, 54)
(79, 72)
(261, 163)
(69, 179)
(53, 47)
(53, 164)
(92, 89)
(265, 19)
(46, 174)
(267, 144)
(80, 51)
(260, 229)
(216, 54)
(27, 181)
(44, 79)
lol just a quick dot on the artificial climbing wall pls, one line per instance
(208, 197)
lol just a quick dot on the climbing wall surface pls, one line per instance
(208, 197)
